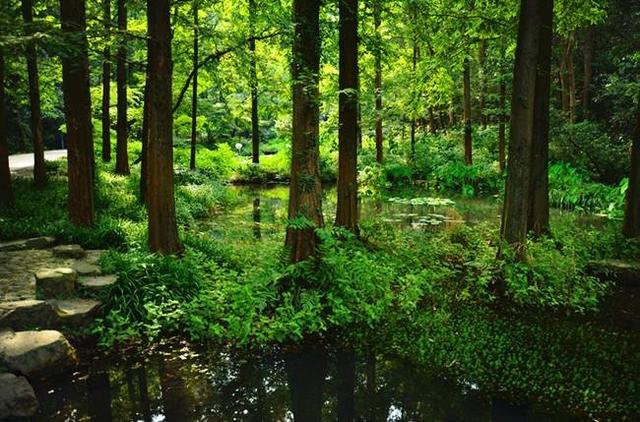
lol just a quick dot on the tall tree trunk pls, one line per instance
(502, 127)
(145, 138)
(516, 201)
(468, 145)
(77, 111)
(347, 211)
(305, 191)
(37, 136)
(253, 76)
(416, 53)
(106, 85)
(631, 226)
(163, 231)
(588, 72)
(6, 194)
(569, 80)
(538, 221)
(194, 95)
(122, 153)
(482, 58)
(378, 81)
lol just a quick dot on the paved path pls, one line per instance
(25, 161)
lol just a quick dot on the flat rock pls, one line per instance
(94, 255)
(69, 251)
(97, 284)
(37, 353)
(25, 314)
(33, 243)
(624, 273)
(84, 268)
(75, 312)
(56, 283)
(17, 398)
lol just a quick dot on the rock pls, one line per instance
(17, 398)
(69, 251)
(84, 268)
(75, 312)
(59, 282)
(624, 273)
(24, 314)
(97, 284)
(33, 243)
(94, 255)
(37, 353)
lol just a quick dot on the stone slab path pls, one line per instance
(25, 161)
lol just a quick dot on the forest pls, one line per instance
(319, 210)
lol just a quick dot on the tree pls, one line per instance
(106, 84)
(37, 136)
(347, 211)
(6, 194)
(378, 81)
(587, 52)
(468, 145)
(122, 127)
(516, 201)
(305, 191)
(631, 226)
(538, 220)
(77, 111)
(163, 231)
(194, 95)
(253, 83)
(502, 127)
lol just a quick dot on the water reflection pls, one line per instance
(311, 384)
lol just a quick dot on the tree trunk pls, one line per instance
(347, 211)
(631, 226)
(502, 127)
(538, 221)
(77, 111)
(468, 145)
(588, 72)
(122, 153)
(253, 76)
(194, 95)
(569, 80)
(39, 172)
(106, 85)
(145, 138)
(163, 231)
(482, 58)
(416, 53)
(378, 81)
(516, 201)
(6, 194)
(305, 195)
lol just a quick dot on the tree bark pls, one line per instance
(145, 137)
(516, 201)
(588, 72)
(631, 227)
(347, 210)
(482, 58)
(538, 221)
(77, 111)
(253, 81)
(305, 195)
(37, 135)
(122, 128)
(378, 81)
(106, 85)
(163, 231)
(194, 95)
(468, 144)
(568, 78)
(502, 127)
(6, 194)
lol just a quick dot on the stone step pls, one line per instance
(85, 268)
(17, 398)
(626, 274)
(26, 314)
(36, 354)
(69, 251)
(33, 243)
(97, 285)
(56, 283)
(76, 312)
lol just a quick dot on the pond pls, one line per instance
(175, 382)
